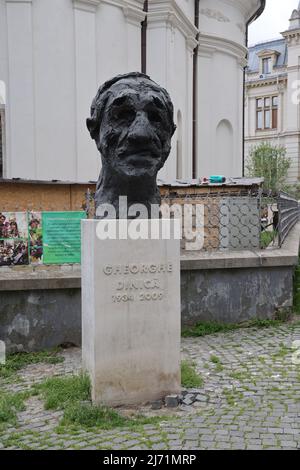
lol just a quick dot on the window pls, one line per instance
(266, 65)
(274, 112)
(267, 113)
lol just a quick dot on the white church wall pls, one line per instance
(188, 8)
(58, 52)
(20, 91)
(4, 87)
(53, 89)
(224, 91)
(221, 60)
(87, 156)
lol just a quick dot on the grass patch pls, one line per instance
(73, 396)
(296, 303)
(267, 237)
(58, 392)
(233, 397)
(89, 416)
(282, 352)
(189, 376)
(17, 361)
(10, 404)
(209, 328)
(215, 360)
(265, 323)
(240, 376)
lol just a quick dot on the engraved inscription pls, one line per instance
(135, 282)
(137, 269)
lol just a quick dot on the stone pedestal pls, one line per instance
(130, 315)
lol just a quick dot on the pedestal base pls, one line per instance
(130, 316)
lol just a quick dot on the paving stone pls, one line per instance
(172, 401)
(156, 405)
(266, 414)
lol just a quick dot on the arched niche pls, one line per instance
(224, 148)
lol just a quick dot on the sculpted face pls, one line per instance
(135, 132)
(132, 124)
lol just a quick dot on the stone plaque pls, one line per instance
(130, 315)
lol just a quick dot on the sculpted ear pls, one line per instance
(92, 127)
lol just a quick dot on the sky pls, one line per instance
(273, 21)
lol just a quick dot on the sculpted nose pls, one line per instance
(140, 130)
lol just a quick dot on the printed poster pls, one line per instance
(61, 233)
(13, 238)
(35, 237)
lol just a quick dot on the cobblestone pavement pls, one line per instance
(250, 400)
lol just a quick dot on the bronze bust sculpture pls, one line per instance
(132, 124)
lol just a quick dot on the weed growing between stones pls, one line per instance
(215, 360)
(189, 376)
(59, 392)
(17, 361)
(10, 404)
(210, 328)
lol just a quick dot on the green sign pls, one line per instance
(62, 237)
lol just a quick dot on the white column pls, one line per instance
(20, 90)
(170, 40)
(134, 15)
(88, 159)
(118, 40)
(4, 85)
(205, 110)
(188, 160)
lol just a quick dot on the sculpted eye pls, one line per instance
(154, 116)
(125, 114)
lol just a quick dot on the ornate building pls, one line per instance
(272, 108)
(55, 53)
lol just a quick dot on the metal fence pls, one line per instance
(288, 215)
(227, 219)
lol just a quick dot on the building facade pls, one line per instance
(55, 53)
(272, 106)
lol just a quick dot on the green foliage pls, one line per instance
(215, 360)
(58, 392)
(267, 237)
(269, 162)
(189, 376)
(10, 404)
(209, 328)
(15, 362)
(88, 416)
(297, 290)
(73, 394)
(293, 190)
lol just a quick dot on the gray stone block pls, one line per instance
(172, 401)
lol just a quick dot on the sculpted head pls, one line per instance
(132, 124)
